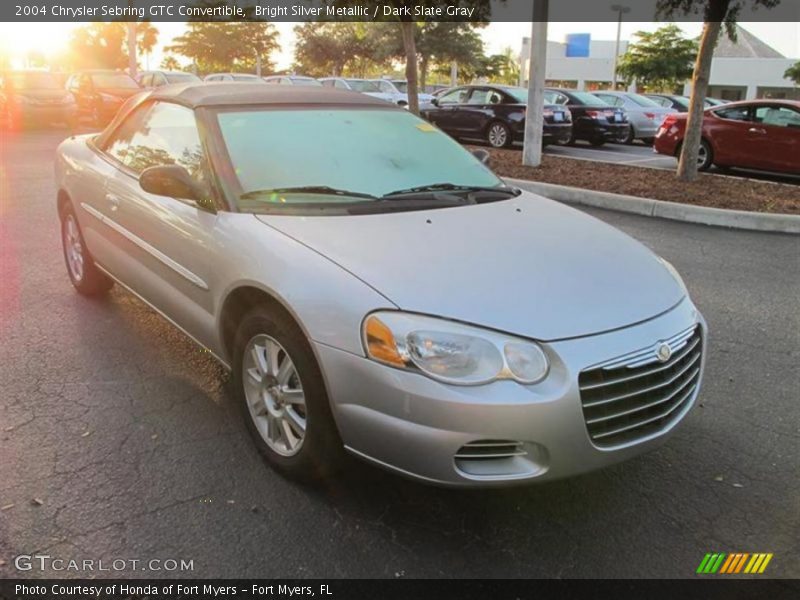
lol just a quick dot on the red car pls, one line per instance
(756, 134)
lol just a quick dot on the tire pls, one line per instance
(649, 141)
(705, 157)
(86, 278)
(285, 406)
(630, 137)
(498, 135)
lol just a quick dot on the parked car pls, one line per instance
(34, 97)
(593, 120)
(644, 115)
(231, 77)
(364, 86)
(397, 90)
(292, 80)
(100, 93)
(495, 114)
(385, 294)
(681, 103)
(756, 134)
(153, 79)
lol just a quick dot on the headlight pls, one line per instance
(451, 352)
(674, 272)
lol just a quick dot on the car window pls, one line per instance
(610, 99)
(736, 113)
(777, 116)
(553, 97)
(328, 83)
(361, 85)
(159, 80)
(456, 96)
(665, 102)
(159, 134)
(340, 84)
(181, 78)
(145, 80)
(494, 97)
(386, 87)
(479, 96)
(113, 81)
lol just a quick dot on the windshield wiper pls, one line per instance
(452, 187)
(307, 189)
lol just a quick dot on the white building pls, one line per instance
(743, 70)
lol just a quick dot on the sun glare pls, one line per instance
(18, 40)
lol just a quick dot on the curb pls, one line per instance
(719, 217)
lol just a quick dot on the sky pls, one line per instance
(49, 38)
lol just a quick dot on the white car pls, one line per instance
(397, 89)
(364, 86)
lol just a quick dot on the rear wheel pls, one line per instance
(705, 156)
(282, 396)
(630, 137)
(83, 273)
(498, 135)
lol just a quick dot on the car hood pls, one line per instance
(528, 266)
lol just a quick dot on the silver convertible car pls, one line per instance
(375, 288)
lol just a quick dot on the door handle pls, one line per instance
(757, 130)
(113, 200)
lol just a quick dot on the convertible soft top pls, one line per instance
(195, 95)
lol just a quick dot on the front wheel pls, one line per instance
(83, 273)
(282, 396)
(498, 135)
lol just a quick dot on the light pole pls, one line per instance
(620, 9)
(131, 44)
(534, 113)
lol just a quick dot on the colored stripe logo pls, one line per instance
(735, 562)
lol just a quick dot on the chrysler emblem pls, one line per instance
(663, 352)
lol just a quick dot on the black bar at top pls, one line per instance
(367, 10)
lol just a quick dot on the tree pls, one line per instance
(793, 73)
(715, 14)
(104, 44)
(218, 46)
(170, 63)
(443, 42)
(482, 10)
(661, 61)
(331, 47)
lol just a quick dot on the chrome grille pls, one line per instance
(636, 395)
(490, 449)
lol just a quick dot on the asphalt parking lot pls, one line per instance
(118, 439)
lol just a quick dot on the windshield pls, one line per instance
(34, 81)
(402, 86)
(113, 81)
(368, 151)
(643, 100)
(361, 85)
(590, 99)
(181, 77)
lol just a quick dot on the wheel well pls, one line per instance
(238, 303)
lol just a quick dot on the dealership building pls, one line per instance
(743, 70)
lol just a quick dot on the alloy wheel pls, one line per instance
(274, 393)
(73, 247)
(498, 135)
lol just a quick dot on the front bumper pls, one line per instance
(415, 426)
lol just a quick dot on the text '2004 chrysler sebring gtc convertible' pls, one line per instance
(374, 287)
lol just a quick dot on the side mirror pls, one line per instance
(435, 101)
(173, 181)
(482, 155)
